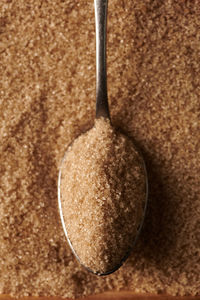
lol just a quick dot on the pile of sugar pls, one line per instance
(103, 195)
(47, 95)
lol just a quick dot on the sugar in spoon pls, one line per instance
(102, 229)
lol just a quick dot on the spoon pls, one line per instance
(102, 111)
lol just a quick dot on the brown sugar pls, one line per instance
(47, 98)
(103, 196)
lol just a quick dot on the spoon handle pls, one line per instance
(102, 108)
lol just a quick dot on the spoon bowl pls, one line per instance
(126, 255)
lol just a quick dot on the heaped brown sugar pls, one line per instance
(103, 194)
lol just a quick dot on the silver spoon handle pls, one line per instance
(102, 108)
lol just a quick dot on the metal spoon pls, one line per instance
(102, 110)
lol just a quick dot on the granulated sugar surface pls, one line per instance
(47, 95)
(103, 195)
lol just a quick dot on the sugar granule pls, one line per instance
(103, 195)
(47, 95)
